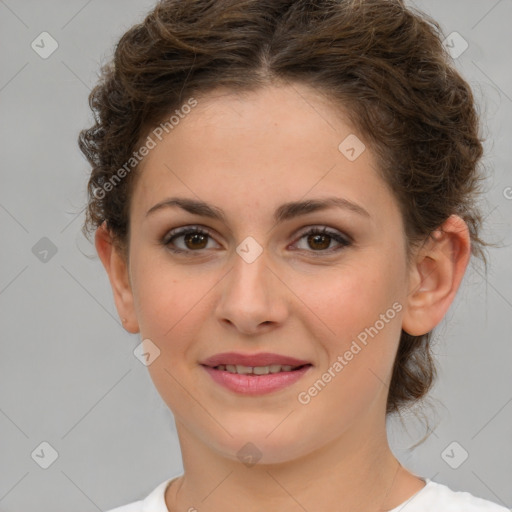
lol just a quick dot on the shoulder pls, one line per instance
(135, 506)
(153, 502)
(441, 497)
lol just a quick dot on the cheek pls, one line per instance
(364, 320)
(351, 297)
(168, 300)
(158, 296)
(359, 310)
(167, 304)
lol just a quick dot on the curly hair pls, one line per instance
(381, 63)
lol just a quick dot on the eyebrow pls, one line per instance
(284, 212)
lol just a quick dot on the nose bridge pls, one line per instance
(249, 279)
(250, 293)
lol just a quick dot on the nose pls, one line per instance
(253, 297)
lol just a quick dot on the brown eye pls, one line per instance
(194, 239)
(320, 242)
(320, 239)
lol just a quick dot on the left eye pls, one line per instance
(321, 238)
(196, 238)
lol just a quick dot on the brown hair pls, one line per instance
(383, 64)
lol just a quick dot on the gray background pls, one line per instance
(68, 374)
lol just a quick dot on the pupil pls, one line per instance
(195, 237)
(316, 237)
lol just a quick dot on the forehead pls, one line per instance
(268, 145)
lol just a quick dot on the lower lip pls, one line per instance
(256, 384)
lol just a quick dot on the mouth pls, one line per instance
(256, 380)
(257, 370)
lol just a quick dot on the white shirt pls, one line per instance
(434, 497)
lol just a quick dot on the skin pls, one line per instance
(248, 155)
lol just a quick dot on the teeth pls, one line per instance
(254, 370)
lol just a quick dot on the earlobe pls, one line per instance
(117, 270)
(435, 276)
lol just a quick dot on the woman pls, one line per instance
(283, 197)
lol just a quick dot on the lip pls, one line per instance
(256, 384)
(261, 359)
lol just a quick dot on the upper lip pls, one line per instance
(261, 359)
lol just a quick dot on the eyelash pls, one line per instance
(176, 233)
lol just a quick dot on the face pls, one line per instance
(251, 283)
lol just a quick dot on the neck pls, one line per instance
(355, 472)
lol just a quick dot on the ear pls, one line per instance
(435, 275)
(117, 269)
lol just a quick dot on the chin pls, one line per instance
(255, 446)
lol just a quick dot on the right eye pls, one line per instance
(194, 239)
